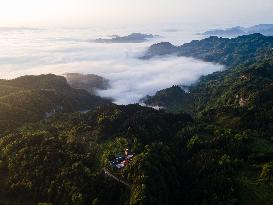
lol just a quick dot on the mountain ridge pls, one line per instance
(265, 29)
(131, 38)
(36, 97)
(228, 52)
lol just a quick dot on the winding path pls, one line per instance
(106, 172)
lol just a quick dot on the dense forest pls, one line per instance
(32, 98)
(229, 52)
(212, 143)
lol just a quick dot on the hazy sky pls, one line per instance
(134, 12)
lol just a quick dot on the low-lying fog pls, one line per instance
(71, 50)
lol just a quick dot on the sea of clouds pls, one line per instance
(59, 51)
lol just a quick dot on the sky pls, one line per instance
(82, 13)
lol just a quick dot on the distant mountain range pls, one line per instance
(132, 38)
(19, 29)
(225, 51)
(265, 29)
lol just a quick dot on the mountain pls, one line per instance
(62, 160)
(265, 29)
(234, 31)
(90, 82)
(196, 163)
(221, 153)
(173, 99)
(132, 38)
(237, 97)
(225, 51)
(68, 152)
(32, 98)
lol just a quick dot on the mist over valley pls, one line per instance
(59, 51)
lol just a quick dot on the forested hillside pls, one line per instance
(229, 52)
(60, 160)
(173, 99)
(211, 145)
(238, 97)
(32, 98)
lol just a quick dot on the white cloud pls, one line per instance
(36, 52)
(136, 79)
